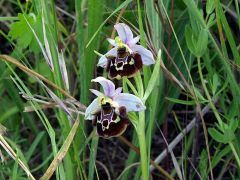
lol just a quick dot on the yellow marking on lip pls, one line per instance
(131, 62)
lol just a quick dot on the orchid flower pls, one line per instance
(127, 57)
(109, 110)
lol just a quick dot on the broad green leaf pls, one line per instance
(210, 6)
(202, 43)
(217, 136)
(203, 164)
(196, 41)
(227, 137)
(189, 39)
(215, 83)
(21, 31)
(234, 123)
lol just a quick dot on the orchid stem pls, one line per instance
(139, 83)
(142, 145)
(125, 80)
(141, 130)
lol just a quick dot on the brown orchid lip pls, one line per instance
(109, 123)
(124, 65)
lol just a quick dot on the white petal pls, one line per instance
(131, 102)
(97, 93)
(112, 42)
(147, 56)
(108, 86)
(133, 41)
(91, 109)
(124, 32)
(103, 60)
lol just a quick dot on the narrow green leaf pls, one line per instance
(154, 77)
(93, 154)
(179, 101)
(219, 155)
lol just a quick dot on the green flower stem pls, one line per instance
(126, 81)
(139, 84)
(142, 144)
(140, 126)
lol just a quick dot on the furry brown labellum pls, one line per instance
(124, 64)
(109, 122)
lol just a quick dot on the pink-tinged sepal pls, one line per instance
(131, 102)
(92, 109)
(102, 62)
(146, 55)
(124, 32)
(108, 86)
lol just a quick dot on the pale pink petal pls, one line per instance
(131, 102)
(124, 32)
(97, 93)
(91, 109)
(112, 42)
(108, 86)
(103, 60)
(118, 91)
(134, 41)
(146, 55)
